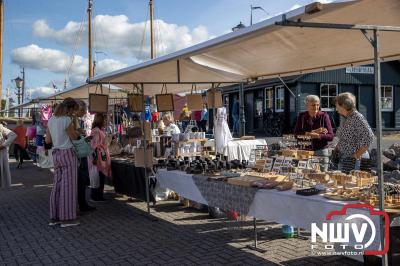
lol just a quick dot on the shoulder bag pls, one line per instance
(82, 148)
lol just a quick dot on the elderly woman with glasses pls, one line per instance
(354, 134)
(316, 124)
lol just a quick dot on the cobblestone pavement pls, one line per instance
(120, 233)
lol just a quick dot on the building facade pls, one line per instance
(272, 99)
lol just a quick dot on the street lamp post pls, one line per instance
(251, 12)
(19, 83)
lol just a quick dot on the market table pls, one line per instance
(283, 207)
(130, 180)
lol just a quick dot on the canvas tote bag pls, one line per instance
(214, 98)
(194, 100)
(165, 100)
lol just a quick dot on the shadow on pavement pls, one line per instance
(119, 232)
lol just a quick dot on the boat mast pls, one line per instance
(89, 12)
(152, 48)
(1, 48)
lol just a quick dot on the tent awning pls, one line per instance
(268, 50)
(27, 105)
(80, 92)
(83, 91)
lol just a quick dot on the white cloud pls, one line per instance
(117, 35)
(35, 57)
(67, 35)
(108, 65)
(42, 91)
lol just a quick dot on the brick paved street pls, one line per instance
(120, 233)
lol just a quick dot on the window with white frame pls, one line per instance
(269, 98)
(328, 93)
(387, 98)
(279, 98)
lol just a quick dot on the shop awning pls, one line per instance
(267, 50)
(83, 91)
(27, 105)
(80, 92)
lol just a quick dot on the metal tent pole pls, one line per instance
(379, 138)
(242, 130)
(375, 43)
(255, 245)
(145, 152)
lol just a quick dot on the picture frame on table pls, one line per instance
(285, 169)
(287, 161)
(279, 161)
(293, 176)
(276, 169)
(269, 162)
(302, 165)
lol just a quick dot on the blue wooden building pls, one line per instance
(264, 97)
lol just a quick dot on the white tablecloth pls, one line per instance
(241, 149)
(181, 183)
(271, 205)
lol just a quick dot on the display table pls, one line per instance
(130, 180)
(241, 149)
(271, 205)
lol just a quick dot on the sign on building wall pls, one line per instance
(360, 70)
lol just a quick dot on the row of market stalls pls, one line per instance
(80, 92)
(312, 38)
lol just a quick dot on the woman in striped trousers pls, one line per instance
(64, 193)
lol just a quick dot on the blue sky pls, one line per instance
(40, 34)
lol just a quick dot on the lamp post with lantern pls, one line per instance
(19, 83)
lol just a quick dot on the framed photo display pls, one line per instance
(302, 164)
(268, 164)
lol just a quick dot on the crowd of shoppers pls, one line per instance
(71, 172)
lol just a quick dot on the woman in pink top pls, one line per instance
(101, 158)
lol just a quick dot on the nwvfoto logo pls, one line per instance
(340, 232)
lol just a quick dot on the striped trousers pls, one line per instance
(63, 197)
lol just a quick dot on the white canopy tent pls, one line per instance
(83, 91)
(268, 50)
(80, 92)
(27, 105)
(322, 37)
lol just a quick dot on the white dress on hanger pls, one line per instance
(222, 133)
